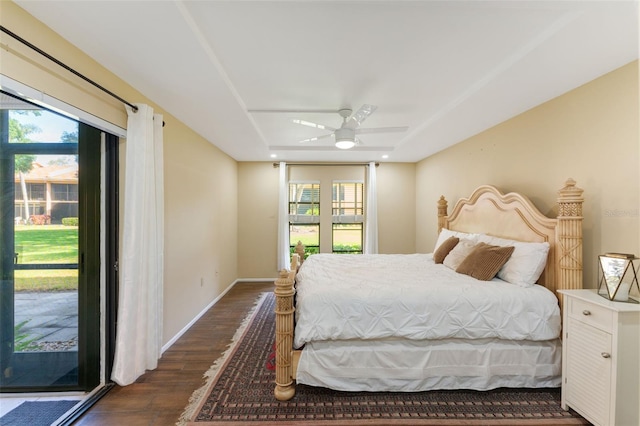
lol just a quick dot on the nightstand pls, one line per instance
(601, 358)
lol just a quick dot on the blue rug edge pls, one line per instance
(37, 413)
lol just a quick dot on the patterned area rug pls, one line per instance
(240, 392)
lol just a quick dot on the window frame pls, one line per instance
(304, 220)
(340, 221)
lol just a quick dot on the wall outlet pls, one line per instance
(201, 282)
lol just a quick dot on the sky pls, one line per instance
(51, 125)
(51, 128)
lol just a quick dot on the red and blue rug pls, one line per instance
(239, 391)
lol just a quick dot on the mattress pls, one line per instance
(374, 297)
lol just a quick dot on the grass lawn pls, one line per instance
(344, 237)
(46, 280)
(46, 244)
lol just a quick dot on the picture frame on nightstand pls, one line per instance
(617, 274)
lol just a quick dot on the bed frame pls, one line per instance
(486, 211)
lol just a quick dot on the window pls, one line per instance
(64, 192)
(35, 191)
(304, 215)
(347, 199)
(348, 217)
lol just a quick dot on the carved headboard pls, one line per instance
(513, 216)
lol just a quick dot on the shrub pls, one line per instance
(23, 341)
(348, 248)
(70, 221)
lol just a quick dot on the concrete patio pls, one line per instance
(52, 318)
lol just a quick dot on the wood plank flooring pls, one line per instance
(158, 397)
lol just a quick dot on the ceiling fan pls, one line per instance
(345, 135)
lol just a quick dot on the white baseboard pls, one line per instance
(197, 317)
(210, 305)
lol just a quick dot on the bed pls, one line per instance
(443, 320)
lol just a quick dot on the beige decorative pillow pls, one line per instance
(484, 262)
(458, 253)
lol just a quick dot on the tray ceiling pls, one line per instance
(446, 69)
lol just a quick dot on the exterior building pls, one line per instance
(52, 190)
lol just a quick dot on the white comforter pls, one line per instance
(409, 296)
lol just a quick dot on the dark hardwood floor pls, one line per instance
(159, 396)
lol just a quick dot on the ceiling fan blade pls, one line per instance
(359, 116)
(293, 111)
(382, 130)
(315, 138)
(311, 124)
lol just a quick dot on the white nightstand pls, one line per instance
(601, 358)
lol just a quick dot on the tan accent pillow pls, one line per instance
(458, 253)
(443, 249)
(484, 262)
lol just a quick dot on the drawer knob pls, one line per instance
(586, 312)
(605, 355)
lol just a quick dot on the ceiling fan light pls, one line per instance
(345, 144)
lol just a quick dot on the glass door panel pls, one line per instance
(39, 232)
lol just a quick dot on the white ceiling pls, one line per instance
(446, 69)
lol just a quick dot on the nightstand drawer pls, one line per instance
(592, 314)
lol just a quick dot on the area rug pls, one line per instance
(36, 413)
(239, 391)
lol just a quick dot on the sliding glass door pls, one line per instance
(51, 249)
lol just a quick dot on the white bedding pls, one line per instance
(342, 297)
(417, 365)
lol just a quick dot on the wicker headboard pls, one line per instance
(513, 216)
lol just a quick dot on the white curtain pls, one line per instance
(139, 331)
(371, 216)
(283, 219)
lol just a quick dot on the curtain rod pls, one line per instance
(65, 66)
(276, 165)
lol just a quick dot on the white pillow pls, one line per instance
(526, 263)
(459, 253)
(445, 234)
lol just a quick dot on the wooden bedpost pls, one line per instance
(569, 237)
(300, 252)
(284, 291)
(442, 213)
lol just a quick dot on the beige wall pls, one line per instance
(590, 134)
(257, 220)
(201, 198)
(397, 207)
(200, 182)
(258, 209)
